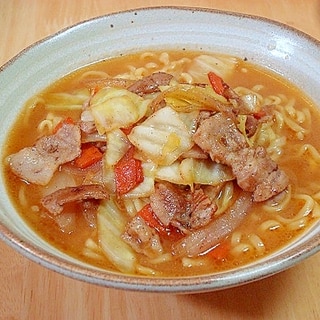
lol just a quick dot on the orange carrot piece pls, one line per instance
(220, 252)
(67, 120)
(89, 155)
(128, 173)
(127, 130)
(218, 85)
(169, 232)
(147, 214)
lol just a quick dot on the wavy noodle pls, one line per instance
(30, 106)
(163, 64)
(241, 243)
(279, 202)
(269, 225)
(298, 221)
(241, 248)
(47, 125)
(93, 74)
(272, 100)
(316, 210)
(257, 243)
(298, 224)
(311, 150)
(303, 212)
(295, 119)
(193, 262)
(235, 238)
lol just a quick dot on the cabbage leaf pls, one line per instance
(162, 137)
(114, 108)
(111, 225)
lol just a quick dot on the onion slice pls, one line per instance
(203, 239)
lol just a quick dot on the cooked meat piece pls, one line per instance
(258, 173)
(184, 210)
(202, 211)
(142, 238)
(251, 125)
(207, 237)
(55, 201)
(38, 163)
(255, 171)
(275, 182)
(150, 83)
(168, 202)
(219, 136)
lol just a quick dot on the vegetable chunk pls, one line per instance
(163, 137)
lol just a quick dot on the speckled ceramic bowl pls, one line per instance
(273, 45)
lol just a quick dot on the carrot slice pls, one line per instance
(169, 232)
(67, 120)
(128, 172)
(89, 155)
(218, 85)
(220, 252)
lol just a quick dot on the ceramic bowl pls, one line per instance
(273, 45)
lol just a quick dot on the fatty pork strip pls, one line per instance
(183, 209)
(254, 170)
(150, 84)
(146, 85)
(142, 238)
(55, 201)
(38, 163)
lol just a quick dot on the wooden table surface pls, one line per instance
(29, 291)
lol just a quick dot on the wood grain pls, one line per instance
(29, 291)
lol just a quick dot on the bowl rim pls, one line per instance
(203, 283)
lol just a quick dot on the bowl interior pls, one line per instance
(288, 52)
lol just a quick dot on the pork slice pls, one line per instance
(253, 168)
(256, 172)
(142, 238)
(219, 136)
(55, 201)
(273, 184)
(167, 202)
(202, 210)
(150, 83)
(38, 163)
(251, 165)
(183, 209)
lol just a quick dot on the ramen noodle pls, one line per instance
(167, 163)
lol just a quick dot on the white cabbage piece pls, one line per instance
(111, 225)
(170, 173)
(204, 172)
(221, 65)
(114, 108)
(162, 137)
(190, 171)
(117, 145)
